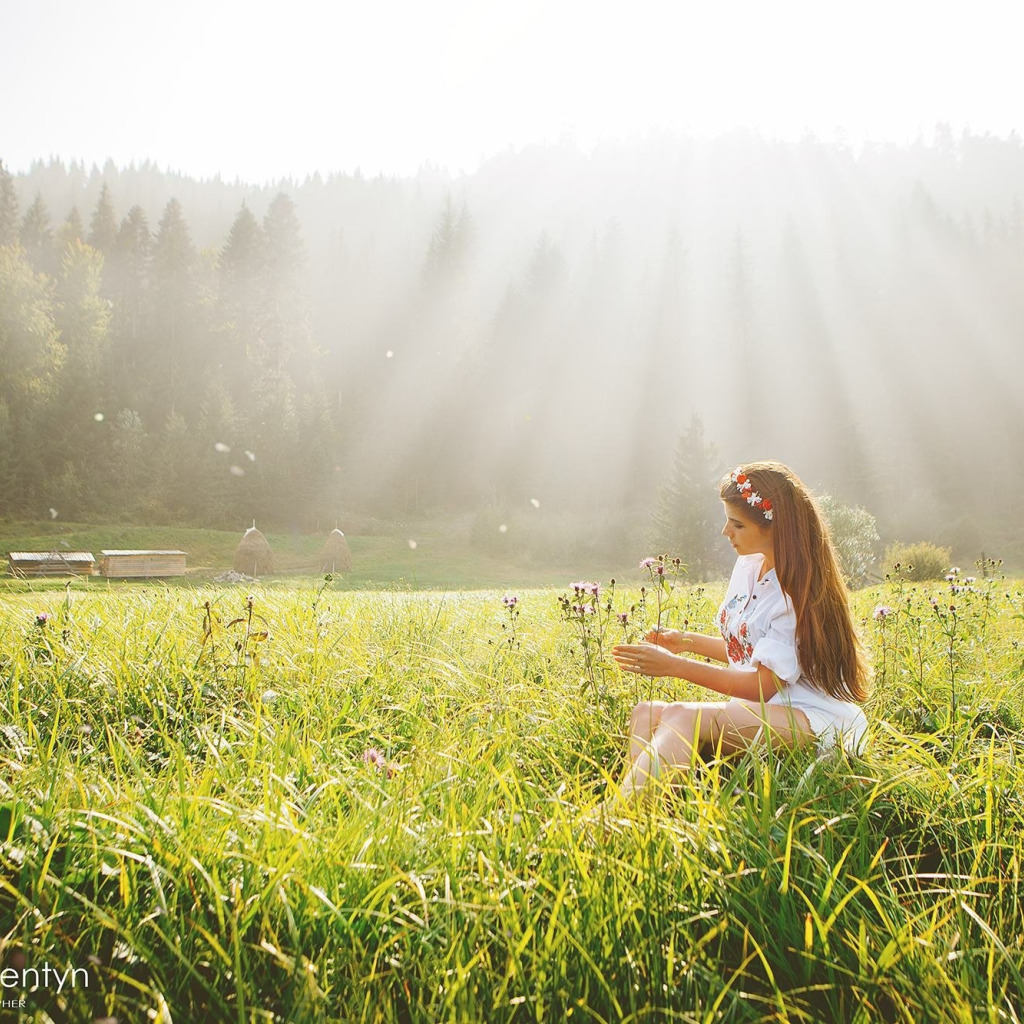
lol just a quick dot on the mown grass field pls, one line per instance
(442, 558)
(192, 812)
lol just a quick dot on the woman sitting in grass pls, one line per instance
(793, 664)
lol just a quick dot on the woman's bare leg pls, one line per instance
(642, 723)
(731, 725)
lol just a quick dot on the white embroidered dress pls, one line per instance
(758, 624)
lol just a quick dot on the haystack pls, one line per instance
(335, 556)
(253, 556)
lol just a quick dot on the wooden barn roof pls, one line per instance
(137, 552)
(51, 556)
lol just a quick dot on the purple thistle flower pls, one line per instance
(624, 618)
(510, 600)
(42, 619)
(648, 563)
(883, 611)
(374, 757)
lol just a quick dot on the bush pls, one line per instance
(920, 561)
(854, 537)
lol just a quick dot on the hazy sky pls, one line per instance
(261, 91)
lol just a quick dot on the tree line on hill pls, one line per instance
(544, 332)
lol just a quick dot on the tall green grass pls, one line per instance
(187, 813)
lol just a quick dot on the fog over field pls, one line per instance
(537, 335)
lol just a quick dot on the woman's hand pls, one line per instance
(645, 659)
(671, 639)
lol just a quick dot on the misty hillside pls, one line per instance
(547, 328)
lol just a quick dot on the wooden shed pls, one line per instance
(51, 563)
(142, 564)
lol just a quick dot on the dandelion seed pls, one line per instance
(53, 513)
(389, 354)
(98, 417)
(236, 471)
(503, 528)
(221, 447)
(251, 456)
(412, 545)
(269, 696)
(535, 503)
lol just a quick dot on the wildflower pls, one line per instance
(970, 579)
(882, 611)
(510, 601)
(586, 588)
(648, 563)
(372, 756)
(42, 619)
(624, 618)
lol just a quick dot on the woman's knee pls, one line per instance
(646, 715)
(680, 718)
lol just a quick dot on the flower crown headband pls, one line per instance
(746, 489)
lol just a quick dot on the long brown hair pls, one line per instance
(829, 650)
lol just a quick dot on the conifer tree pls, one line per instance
(450, 243)
(170, 350)
(71, 230)
(241, 266)
(285, 327)
(103, 226)
(9, 208)
(687, 521)
(36, 236)
(128, 273)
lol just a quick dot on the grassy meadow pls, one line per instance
(305, 803)
(430, 553)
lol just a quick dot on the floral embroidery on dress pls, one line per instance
(737, 645)
(739, 648)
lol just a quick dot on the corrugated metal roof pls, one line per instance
(133, 552)
(50, 556)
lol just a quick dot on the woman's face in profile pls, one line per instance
(746, 535)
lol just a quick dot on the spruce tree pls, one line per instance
(241, 265)
(128, 273)
(103, 226)
(36, 236)
(168, 354)
(9, 208)
(687, 522)
(71, 230)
